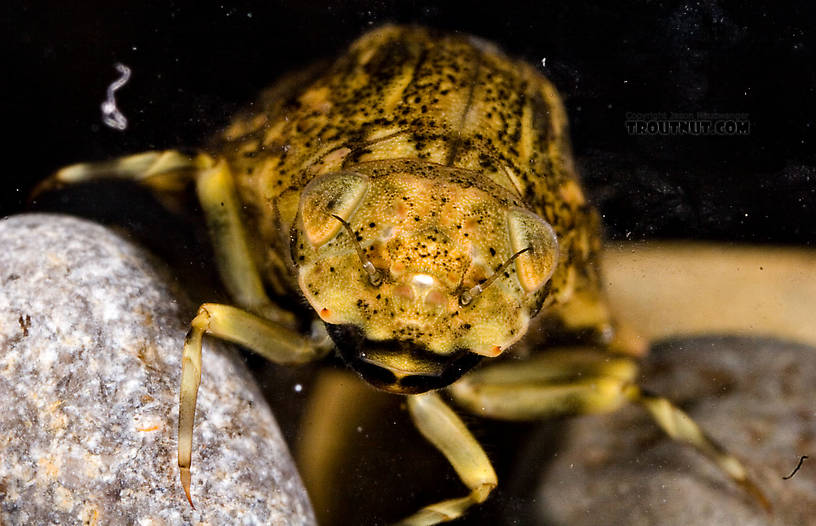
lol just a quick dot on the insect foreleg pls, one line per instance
(262, 327)
(236, 264)
(271, 340)
(446, 431)
(556, 383)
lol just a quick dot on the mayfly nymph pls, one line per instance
(420, 194)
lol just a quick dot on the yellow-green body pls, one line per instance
(420, 194)
(453, 134)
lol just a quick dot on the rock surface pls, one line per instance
(90, 339)
(755, 397)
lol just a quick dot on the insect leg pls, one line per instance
(265, 330)
(679, 426)
(271, 340)
(235, 261)
(166, 172)
(162, 171)
(439, 424)
(556, 383)
(581, 381)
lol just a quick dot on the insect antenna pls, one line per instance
(374, 275)
(469, 295)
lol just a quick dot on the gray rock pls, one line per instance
(91, 334)
(755, 397)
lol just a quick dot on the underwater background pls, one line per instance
(194, 65)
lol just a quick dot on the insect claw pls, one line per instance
(185, 483)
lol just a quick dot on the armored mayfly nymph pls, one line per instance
(420, 194)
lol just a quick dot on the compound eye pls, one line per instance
(534, 267)
(335, 194)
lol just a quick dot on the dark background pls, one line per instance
(194, 65)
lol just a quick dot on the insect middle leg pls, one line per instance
(169, 172)
(165, 172)
(581, 381)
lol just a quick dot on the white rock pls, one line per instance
(90, 346)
